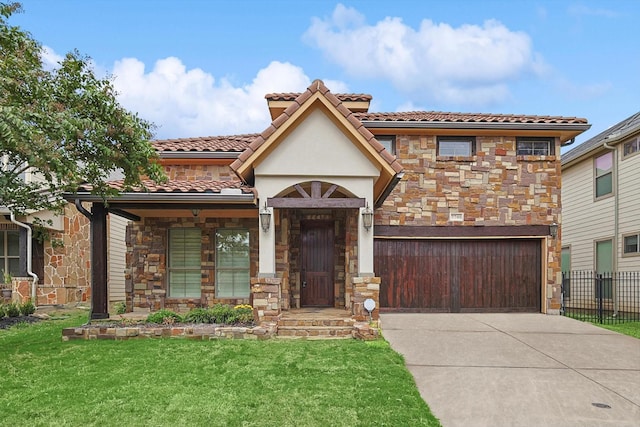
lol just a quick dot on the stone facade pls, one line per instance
(495, 187)
(146, 274)
(67, 262)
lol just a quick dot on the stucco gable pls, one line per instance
(318, 97)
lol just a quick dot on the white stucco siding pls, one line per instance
(316, 147)
(629, 207)
(583, 220)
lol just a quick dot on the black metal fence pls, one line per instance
(601, 297)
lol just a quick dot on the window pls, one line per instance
(631, 244)
(389, 143)
(604, 269)
(604, 174)
(9, 252)
(456, 146)
(185, 262)
(565, 262)
(631, 147)
(232, 263)
(534, 146)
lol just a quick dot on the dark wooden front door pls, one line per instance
(316, 267)
(460, 275)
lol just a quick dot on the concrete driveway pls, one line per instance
(519, 369)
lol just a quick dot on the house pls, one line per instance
(333, 205)
(60, 259)
(601, 200)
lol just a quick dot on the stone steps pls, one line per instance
(315, 332)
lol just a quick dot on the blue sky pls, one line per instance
(198, 68)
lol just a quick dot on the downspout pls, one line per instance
(34, 284)
(616, 226)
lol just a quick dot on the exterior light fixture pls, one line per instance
(265, 218)
(553, 230)
(367, 217)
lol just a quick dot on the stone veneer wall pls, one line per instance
(67, 262)
(200, 172)
(145, 276)
(495, 187)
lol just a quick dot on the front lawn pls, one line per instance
(162, 382)
(628, 328)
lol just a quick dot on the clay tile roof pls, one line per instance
(291, 96)
(228, 143)
(438, 116)
(180, 186)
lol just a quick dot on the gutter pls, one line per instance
(168, 197)
(34, 284)
(396, 179)
(616, 209)
(474, 125)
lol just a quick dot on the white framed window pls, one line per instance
(463, 146)
(631, 244)
(9, 252)
(232, 263)
(630, 148)
(185, 262)
(604, 174)
(388, 142)
(535, 146)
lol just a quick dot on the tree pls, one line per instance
(64, 126)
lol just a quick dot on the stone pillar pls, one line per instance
(265, 299)
(362, 289)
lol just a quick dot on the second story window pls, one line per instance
(389, 143)
(604, 174)
(464, 146)
(631, 147)
(534, 146)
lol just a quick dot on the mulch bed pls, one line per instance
(7, 322)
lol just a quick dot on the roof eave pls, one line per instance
(169, 198)
(199, 154)
(476, 125)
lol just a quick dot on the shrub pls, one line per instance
(244, 313)
(199, 315)
(1, 310)
(221, 314)
(12, 309)
(164, 316)
(120, 307)
(27, 308)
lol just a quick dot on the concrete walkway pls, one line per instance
(519, 369)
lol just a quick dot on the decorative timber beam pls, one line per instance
(316, 199)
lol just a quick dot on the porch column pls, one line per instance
(99, 295)
(267, 249)
(365, 248)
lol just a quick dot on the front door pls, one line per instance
(316, 269)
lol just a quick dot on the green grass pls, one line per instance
(628, 328)
(167, 382)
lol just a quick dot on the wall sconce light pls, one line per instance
(195, 212)
(553, 230)
(265, 218)
(367, 217)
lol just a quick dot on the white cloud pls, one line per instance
(578, 10)
(193, 103)
(50, 59)
(469, 64)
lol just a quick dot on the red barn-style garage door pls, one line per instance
(484, 275)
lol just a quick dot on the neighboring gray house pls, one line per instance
(601, 203)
